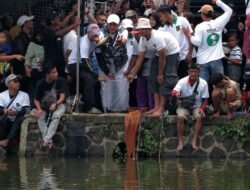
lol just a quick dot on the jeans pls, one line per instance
(207, 69)
(49, 131)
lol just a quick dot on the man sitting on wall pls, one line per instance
(13, 105)
(187, 86)
(49, 99)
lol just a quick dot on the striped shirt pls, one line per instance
(235, 53)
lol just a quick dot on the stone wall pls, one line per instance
(98, 135)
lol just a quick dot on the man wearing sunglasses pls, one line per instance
(13, 106)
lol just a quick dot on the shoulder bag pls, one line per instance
(188, 101)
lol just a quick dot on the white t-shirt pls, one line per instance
(159, 40)
(183, 86)
(177, 31)
(70, 43)
(148, 54)
(86, 47)
(208, 36)
(21, 100)
(247, 7)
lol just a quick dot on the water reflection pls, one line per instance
(47, 178)
(77, 174)
(131, 178)
(193, 177)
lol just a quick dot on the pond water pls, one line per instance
(93, 174)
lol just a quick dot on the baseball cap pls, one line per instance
(206, 9)
(93, 29)
(113, 18)
(22, 19)
(130, 13)
(10, 78)
(143, 23)
(127, 23)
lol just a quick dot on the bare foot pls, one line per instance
(216, 114)
(229, 115)
(150, 111)
(180, 147)
(156, 114)
(194, 146)
(4, 143)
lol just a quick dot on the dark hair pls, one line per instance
(50, 16)
(190, 17)
(100, 13)
(216, 78)
(194, 66)
(233, 34)
(164, 9)
(209, 14)
(48, 66)
(38, 30)
(157, 20)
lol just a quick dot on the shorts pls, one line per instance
(170, 75)
(183, 112)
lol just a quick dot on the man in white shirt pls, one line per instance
(113, 62)
(14, 103)
(208, 39)
(87, 76)
(175, 24)
(186, 87)
(164, 69)
(69, 43)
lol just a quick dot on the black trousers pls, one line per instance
(87, 84)
(10, 129)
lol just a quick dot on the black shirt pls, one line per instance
(43, 87)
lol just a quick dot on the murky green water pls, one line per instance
(94, 174)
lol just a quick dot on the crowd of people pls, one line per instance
(129, 57)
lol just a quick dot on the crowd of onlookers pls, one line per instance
(136, 54)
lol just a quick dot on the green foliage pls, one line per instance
(148, 144)
(238, 130)
(120, 152)
(105, 127)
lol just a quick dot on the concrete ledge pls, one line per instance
(98, 135)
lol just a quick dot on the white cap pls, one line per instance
(113, 18)
(143, 23)
(10, 78)
(22, 19)
(127, 23)
(130, 13)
